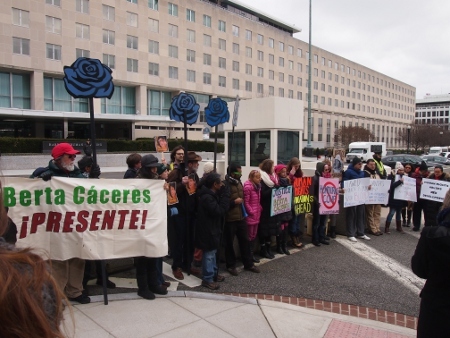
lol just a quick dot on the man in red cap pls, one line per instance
(68, 274)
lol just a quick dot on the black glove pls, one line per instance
(95, 172)
(47, 176)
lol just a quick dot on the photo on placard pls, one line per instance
(161, 144)
(172, 197)
(191, 186)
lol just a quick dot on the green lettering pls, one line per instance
(37, 197)
(25, 198)
(136, 196)
(115, 198)
(103, 198)
(60, 197)
(92, 196)
(125, 196)
(77, 199)
(146, 196)
(8, 196)
(48, 195)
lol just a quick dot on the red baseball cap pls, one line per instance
(63, 148)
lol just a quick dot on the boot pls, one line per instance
(332, 232)
(279, 250)
(294, 240)
(299, 243)
(399, 227)
(284, 248)
(252, 250)
(269, 253)
(404, 217)
(263, 252)
(408, 220)
(143, 289)
(153, 284)
(386, 227)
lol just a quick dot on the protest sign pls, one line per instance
(379, 192)
(90, 219)
(355, 192)
(407, 190)
(303, 198)
(328, 196)
(434, 190)
(281, 200)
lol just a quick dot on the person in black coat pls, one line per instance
(431, 261)
(214, 200)
(395, 206)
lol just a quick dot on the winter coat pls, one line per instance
(130, 173)
(252, 196)
(187, 204)
(418, 176)
(210, 217)
(352, 174)
(431, 261)
(268, 225)
(315, 185)
(394, 203)
(236, 191)
(54, 170)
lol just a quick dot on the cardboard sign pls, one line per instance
(434, 190)
(356, 192)
(303, 198)
(379, 192)
(328, 196)
(407, 190)
(281, 200)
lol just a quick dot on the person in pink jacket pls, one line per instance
(252, 196)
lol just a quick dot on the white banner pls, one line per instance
(407, 190)
(89, 218)
(355, 192)
(434, 190)
(379, 192)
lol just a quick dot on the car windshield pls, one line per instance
(357, 150)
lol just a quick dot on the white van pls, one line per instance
(365, 150)
(437, 150)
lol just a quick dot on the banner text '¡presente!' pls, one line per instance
(81, 195)
(98, 220)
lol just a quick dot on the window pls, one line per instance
(248, 52)
(53, 25)
(222, 44)
(236, 48)
(260, 72)
(133, 1)
(281, 92)
(109, 12)
(281, 62)
(291, 79)
(260, 39)
(207, 78)
(291, 65)
(82, 53)
(132, 19)
(132, 65)
(53, 2)
(109, 60)
(206, 20)
(322, 87)
(316, 72)
(190, 55)
(271, 91)
(260, 88)
(260, 55)
(53, 52)
(21, 17)
(153, 25)
(190, 75)
(235, 84)
(248, 35)
(21, 46)
(248, 86)
(299, 81)
(132, 42)
(290, 94)
(281, 45)
(153, 47)
(291, 50)
(56, 98)
(190, 35)
(271, 59)
(222, 63)
(222, 81)
(323, 61)
(153, 4)
(222, 26)
(271, 43)
(173, 30)
(108, 37)
(299, 96)
(190, 15)
(235, 66)
(173, 72)
(82, 31)
(235, 30)
(322, 74)
(173, 51)
(271, 75)
(123, 101)
(207, 59)
(248, 69)
(281, 77)
(316, 58)
(299, 67)
(299, 52)
(173, 9)
(82, 6)
(207, 40)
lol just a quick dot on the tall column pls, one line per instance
(37, 90)
(141, 100)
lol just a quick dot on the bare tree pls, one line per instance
(170, 131)
(346, 135)
(422, 136)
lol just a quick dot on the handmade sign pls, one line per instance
(161, 144)
(281, 200)
(434, 190)
(303, 198)
(407, 190)
(89, 219)
(184, 108)
(379, 192)
(217, 112)
(355, 192)
(328, 196)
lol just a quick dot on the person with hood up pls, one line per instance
(355, 214)
(319, 221)
(395, 205)
(285, 217)
(419, 206)
(433, 207)
(214, 200)
(373, 211)
(297, 222)
(431, 261)
(252, 197)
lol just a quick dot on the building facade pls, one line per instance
(159, 48)
(433, 109)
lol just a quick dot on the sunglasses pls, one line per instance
(71, 156)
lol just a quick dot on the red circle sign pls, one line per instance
(329, 206)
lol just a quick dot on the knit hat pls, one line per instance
(279, 167)
(149, 161)
(398, 166)
(423, 166)
(208, 167)
(356, 160)
(161, 168)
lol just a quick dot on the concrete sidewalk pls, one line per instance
(196, 314)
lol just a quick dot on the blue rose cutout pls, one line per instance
(87, 78)
(184, 103)
(217, 112)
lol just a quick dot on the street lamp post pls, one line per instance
(440, 138)
(409, 137)
(309, 149)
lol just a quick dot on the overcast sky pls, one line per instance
(408, 40)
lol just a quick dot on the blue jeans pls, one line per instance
(296, 225)
(209, 266)
(392, 211)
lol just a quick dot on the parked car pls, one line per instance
(404, 159)
(445, 154)
(436, 159)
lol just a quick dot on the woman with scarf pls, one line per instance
(297, 222)
(431, 261)
(268, 225)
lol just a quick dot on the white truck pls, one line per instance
(437, 150)
(365, 150)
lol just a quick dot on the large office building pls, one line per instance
(433, 109)
(159, 48)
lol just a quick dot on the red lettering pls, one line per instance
(23, 228)
(144, 218)
(123, 214)
(68, 221)
(54, 221)
(81, 217)
(134, 219)
(37, 219)
(94, 220)
(108, 219)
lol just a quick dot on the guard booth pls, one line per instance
(268, 127)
